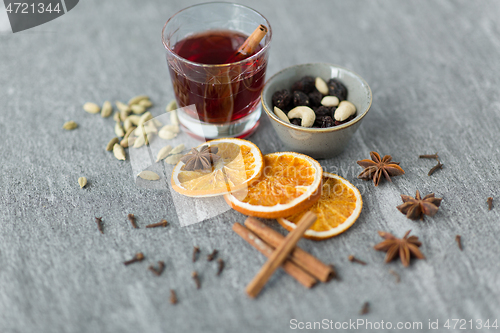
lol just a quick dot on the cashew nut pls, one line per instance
(344, 111)
(305, 113)
(330, 101)
(280, 114)
(321, 85)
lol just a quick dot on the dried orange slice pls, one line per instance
(337, 209)
(290, 183)
(240, 162)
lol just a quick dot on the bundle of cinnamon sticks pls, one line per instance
(281, 251)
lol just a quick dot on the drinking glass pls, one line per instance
(217, 100)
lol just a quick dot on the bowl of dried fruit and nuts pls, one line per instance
(316, 108)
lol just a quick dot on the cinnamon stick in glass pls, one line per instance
(292, 269)
(250, 44)
(306, 261)
(280, 255)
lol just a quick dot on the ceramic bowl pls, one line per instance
(317, 142)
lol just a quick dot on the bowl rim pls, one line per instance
(310, 129)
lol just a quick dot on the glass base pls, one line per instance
(208, 131)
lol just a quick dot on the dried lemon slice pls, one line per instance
(240, 163)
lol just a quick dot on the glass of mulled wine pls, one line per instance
(217, 74)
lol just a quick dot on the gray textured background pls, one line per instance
(433, 67)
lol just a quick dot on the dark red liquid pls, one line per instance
(220, 94)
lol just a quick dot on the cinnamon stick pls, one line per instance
(292, 269)
(279, 255)
(304, 260)
(250, 44)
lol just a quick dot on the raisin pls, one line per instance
(324, 121)
(300, 99)
(315, 98)
(295, 121)
(337, 88)
(343, 122)
(306, 85)
(323, 111)
(282, 98)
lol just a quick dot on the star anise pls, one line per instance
(404, 247)
(415, 208)
(377, 166)
(200, 160)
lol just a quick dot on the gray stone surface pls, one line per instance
(433, 68)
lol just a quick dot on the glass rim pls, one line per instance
(256, 55)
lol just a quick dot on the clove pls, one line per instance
(98, 220)
(138, 257)
(365, 309)
(356, 260)
(212, 255)
(434, 168)
(173, 297)
(162, 223)
(159, 270)
(458, 239)
(131, 217)
(434, 156)
(196, 279)
(220, 266)
(490, 203)
(437, 166)
(196, 250)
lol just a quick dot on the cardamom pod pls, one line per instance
(127, 141)
(119, 131)
(134, 119)
(145, 118)
(91, 107)
(137, 99)
(171, 106)
(148, 175)
(166, 134)
(163, 153)
(156, 122)
(137, 109)
(107, 109)
(82, 181)
(140, 141)
(174, 120)
(173, 159)
(146, 103)
(145, 129)
(116, 116)
(178, 149)
(124, 114)
(111, 144)
(119, 152)
(70, 125)
(127, 124)
(122, 106)
(129, 131)
(171, 128)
